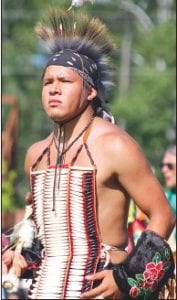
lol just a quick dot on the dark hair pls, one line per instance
(171, 150)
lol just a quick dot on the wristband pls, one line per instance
(147, 269)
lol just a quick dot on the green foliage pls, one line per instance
(149, 106)
(8, 191)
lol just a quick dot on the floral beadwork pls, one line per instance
(145, 283)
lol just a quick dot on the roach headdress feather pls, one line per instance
(81, 43)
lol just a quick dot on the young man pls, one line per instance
(82, 177)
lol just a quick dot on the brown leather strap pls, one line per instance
(86, 134)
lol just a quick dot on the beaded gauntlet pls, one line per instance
(147, 269)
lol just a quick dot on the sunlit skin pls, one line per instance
(62, 88)
(169, 175)
(122, 170)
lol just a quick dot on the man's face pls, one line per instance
(169, 169)
(63, 93)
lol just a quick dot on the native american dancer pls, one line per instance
(86, 171)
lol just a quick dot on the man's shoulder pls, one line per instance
(37, 147)
(113, 134)
(116, 142)
(104, 127)
(33, 152)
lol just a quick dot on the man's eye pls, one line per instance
(47, 82)
(66, 81)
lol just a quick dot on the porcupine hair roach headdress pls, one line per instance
(81, 43)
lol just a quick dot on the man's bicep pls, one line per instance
(140, 183)
(137, 178)
(28, 162)
(27, 166)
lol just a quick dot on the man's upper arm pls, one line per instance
(29, 158)
(137, 178)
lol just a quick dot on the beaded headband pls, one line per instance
(81, 64)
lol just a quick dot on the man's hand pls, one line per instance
(107, 288)
(14, 260)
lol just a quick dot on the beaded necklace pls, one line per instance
(60, 155)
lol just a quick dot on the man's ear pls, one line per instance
(92, 93)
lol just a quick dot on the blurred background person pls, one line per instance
(168, 168)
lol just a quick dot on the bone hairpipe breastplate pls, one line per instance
(69, 234)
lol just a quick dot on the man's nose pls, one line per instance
(55, 88)
(165, 169)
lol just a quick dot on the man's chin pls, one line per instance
(55, 118)
(170, 184)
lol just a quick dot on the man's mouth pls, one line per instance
(54, 102)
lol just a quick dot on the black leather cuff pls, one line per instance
(147, 269)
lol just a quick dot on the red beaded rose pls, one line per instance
(152, 274)
(134, 292)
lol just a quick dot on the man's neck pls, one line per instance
(73, 127)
